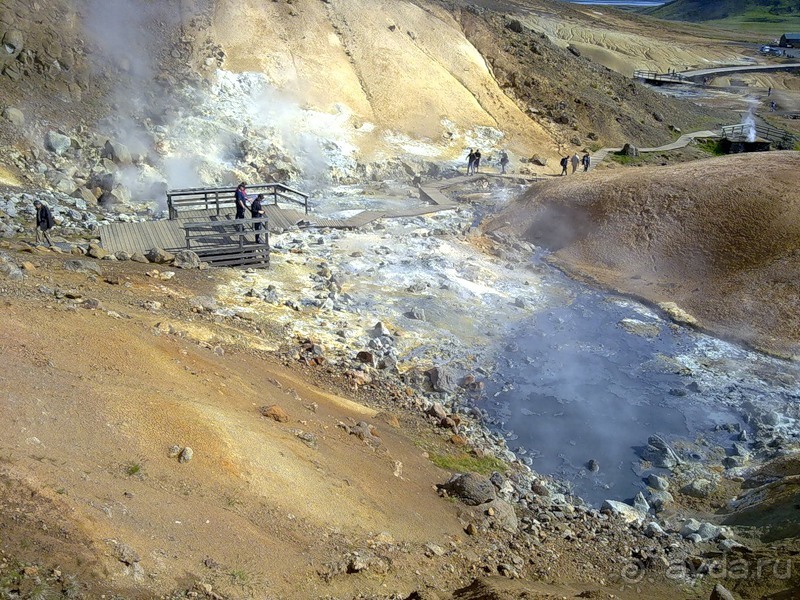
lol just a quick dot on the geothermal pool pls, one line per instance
(575, 373)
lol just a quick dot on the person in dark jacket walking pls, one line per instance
(587, 161)
(503, 161)
(241, 201)
(256, 212)
(477, 164)
(470, 162)
(564, 164)
(44, 222)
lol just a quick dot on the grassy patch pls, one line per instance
(712, 147)
(133, 468)
(463, 463)
(624, 159)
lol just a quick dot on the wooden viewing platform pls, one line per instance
(773, 134)
(219, 199)
(230, 242)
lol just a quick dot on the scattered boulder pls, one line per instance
(159, 256)
(274, 412)
(417, 314)
(659, 453)
(139, 258)
(380, 330)
(56, 142)
(677, 314)
(14, 116)
(471, 488)
(629, 514)
(9, 269)
(720, 593)
(593, 466)
(186, 455)
(95, 251)
(515, 25)
(117, 152)
(653, 530)
(657, 483)
(437, 411)
(501, 515)
(186, 259)
(442, 379)
(629, 150)
(203, 304)
(574, 50)
(82, 266)
(699, 488)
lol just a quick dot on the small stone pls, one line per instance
(95, 251)
(174, 451)
(593, 466)
(653, 529)
(458, 440)
(470, 529)
(186, 455)
(139, 258)
(82, 266)
(690, 526)
(417, 314)
(274, 412)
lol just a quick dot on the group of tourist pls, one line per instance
(256, 209)
(576, 160)
(474, 161)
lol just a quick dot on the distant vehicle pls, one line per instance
(772, 51)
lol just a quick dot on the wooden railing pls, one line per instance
(217, 199)
(656, 76)
(767, 132)
(230, 242)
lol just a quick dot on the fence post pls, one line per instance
(216, 199)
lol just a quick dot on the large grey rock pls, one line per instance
(14, 116)
(629, 150)
(627, 512)
(82, 266)
(9, 269)
(690, 526)
(442, 379)
(471, 488)
(56, 142)
(186, 259)
(117, 152)
(659, 453)
(657, 483)
(660, 500)
(159, 256)
(699, 488)
(502, 515)
(709, 531)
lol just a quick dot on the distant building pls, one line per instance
(790, 40)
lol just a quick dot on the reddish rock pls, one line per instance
(275, 412)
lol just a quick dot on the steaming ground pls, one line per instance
(574, 374)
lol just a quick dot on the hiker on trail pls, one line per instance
(470, 162)
(477, 161)
(256, 212)
(576, 160)
(503, 161)
(564, 164)
(769, 92)
(772, 106)
(44, 222)
(241, 201)
(586, 160)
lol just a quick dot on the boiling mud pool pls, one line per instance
(575, 385)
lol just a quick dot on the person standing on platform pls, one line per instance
(256, 212)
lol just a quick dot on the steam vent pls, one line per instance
(394, 299)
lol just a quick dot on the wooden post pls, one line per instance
(216, 199)
(275, 194)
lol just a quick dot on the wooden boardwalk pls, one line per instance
(681, 142)
(170, 234)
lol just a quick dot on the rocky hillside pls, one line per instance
(315, 92)
(701, 10)
(718, 237)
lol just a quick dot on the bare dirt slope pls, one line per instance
(92, 404)
(720, 237)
